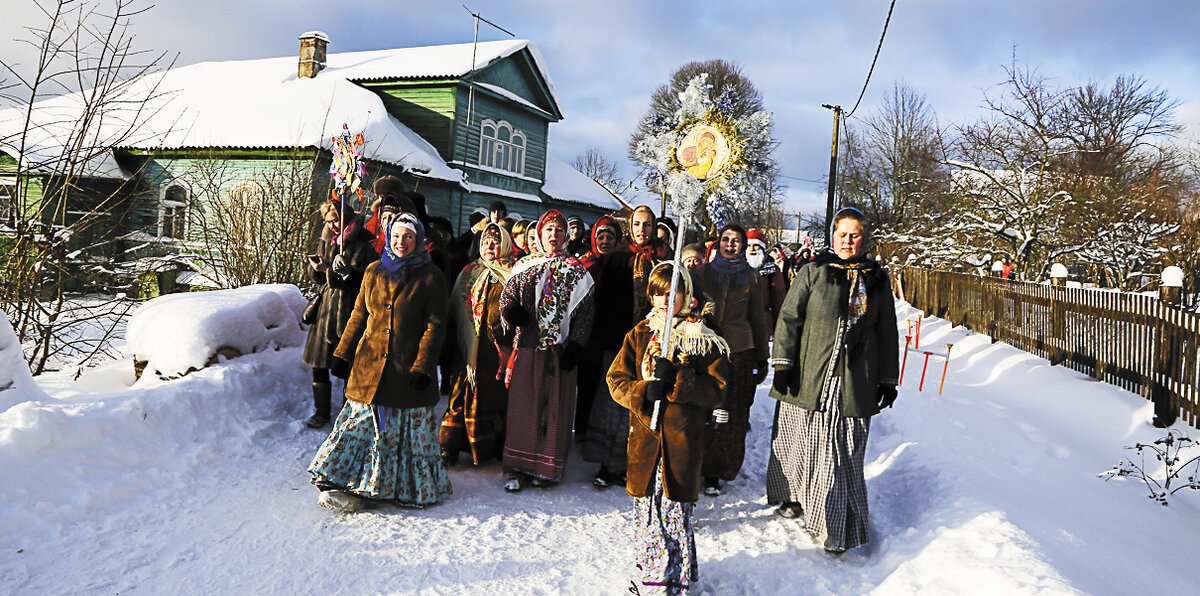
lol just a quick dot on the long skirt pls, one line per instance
(817, 461)
(607, 437)
(541, 408)
(725, 444)
(383, 453)
(666, 557)
(474, 419)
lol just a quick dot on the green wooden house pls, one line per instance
(463, 133)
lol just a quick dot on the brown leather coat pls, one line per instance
(395, 330)
(679, 442)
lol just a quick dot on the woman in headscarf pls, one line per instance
(688, 380)
(600, 424)
(735, 309)
(548, 298)
(836, 365)
(474, 419)
(384, 443)
(336, 270)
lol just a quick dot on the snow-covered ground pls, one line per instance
(198, 486)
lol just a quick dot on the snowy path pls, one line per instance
(199, 486)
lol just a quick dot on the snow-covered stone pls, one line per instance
(178, 332)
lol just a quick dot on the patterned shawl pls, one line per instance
(562, 284)
(469, 300)
(689, 335)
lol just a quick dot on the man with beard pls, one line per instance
(770, 277)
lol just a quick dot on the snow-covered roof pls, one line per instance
(568, 184)
(261, 103)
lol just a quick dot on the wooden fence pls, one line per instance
(1136, 342)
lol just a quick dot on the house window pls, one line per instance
(8, 209)
(173, 211)
(501, 147)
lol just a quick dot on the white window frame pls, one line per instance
(176, 208)
(502, 156)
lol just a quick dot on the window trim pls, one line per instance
(502, 156)
(179, 208)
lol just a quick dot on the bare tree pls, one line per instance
(87, 94)
(256, 227)
(595, 165)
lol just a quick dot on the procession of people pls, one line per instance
(549, 333)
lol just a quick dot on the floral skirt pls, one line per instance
(383, 453)
(666, 557)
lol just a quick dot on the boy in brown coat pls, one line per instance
(664, 462)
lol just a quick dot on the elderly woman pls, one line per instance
(836, 365)
(474, 419)
(735, 309)
(548, 298)
(384, 444)
(336, 269)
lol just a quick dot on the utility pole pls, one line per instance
(833, 156)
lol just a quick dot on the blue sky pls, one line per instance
(606, 58)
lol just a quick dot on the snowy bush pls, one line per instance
(1167, 451)
(179, 332)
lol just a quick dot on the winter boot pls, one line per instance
(322, 396)
(342, 501)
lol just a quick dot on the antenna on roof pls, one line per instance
(471, 73)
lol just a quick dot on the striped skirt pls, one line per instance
(541, 409)
(666, 557)
(817, 461)
(383, 453)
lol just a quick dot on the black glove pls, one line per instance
(664, 370)
(341, 266)
(419, 381)
(516, 315)
(339, 368)
(656, 390)
(783, 380)
(760, 371)
(570, 356)
(887, 396)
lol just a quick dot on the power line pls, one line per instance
(874, 60)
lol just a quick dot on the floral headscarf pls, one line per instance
(469, 301)
(397, 267)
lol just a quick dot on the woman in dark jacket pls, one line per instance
(664, 462)
(836, 365)
(336, 269)
(384, 445)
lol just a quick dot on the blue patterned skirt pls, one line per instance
(666, 557)
(383, 453)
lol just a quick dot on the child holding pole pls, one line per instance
(688, 379)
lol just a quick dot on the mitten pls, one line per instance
(339, 368)
(760, 371)
(783, 380)
(656, 390)
(887, 396)
(341, 266)
(419, 381)
(570, 356)
(516, 315)
(664, 370)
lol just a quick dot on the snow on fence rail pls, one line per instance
(1133, 341)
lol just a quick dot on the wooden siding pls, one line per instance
(428, 110)
(466, 146)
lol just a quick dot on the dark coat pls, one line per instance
(395, 331)
(337, 294)
(810, 338)
(739, 314)
(679, 442)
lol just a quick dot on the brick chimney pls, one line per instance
(312, 53)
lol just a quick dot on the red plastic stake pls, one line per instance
(921, 387)
(907, 340)
(917, 343)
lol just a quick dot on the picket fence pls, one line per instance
(1133, 341)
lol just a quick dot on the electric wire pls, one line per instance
(873, 60)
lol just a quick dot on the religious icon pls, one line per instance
(703, 153)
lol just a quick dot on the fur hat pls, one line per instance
(388, 185)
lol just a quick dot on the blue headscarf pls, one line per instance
(396, 267)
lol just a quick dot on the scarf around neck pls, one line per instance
(733, 273)
(562, 284)
(471, 292)
(689, 335)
